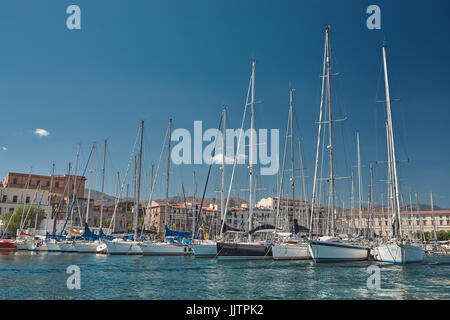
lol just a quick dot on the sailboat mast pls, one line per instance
(302, 174)
(419, 214)
(194, 206)
(138, 187)
(371, 205)
(166, 208)
(74, 185)
(359, 186)
(411, 218)
(90, 183)
(432, 213)
(352, 204)
(68, 193)
(291, 101)
(319, 134)
(49, 202)
(222, 189)
(391, 152)
(330, 146)
(103, 184)
(250, 167)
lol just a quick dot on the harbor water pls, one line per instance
(29, 275)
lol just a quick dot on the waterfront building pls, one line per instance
(23, 188)
(411, 222)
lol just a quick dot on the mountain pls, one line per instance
(96, 196)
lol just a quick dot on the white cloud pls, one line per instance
(41, 132)
(4, 148)
(217, 159)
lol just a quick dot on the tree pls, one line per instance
(106, 223)
(26, 215)
(125, 204)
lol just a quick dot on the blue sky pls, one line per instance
(153, 60)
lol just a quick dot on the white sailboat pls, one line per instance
(92, 244)
(85, 246)
(66, 246)
(208, 248)
(165, 248)
(120, 246)
(248, 250)
(286, 247)
(330, 248)
(52, 245)
(290, 249)
(397, 250)
(205, 249)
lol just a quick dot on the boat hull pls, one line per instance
(7, 246)
(66, 247)
(400, 254)
(53, 247)
(86, 247)
(288, 251)
(39, 246)
(322, 251)
(205, 250)
(243, 251)
(165, 249)
(123, 248)
(21, 245)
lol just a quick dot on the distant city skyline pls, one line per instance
(152, 60)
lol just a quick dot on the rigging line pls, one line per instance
(297, 126)
(119, 195)
(236, 156)
(23, 210)
(377, 92)
(152, 183)
(27, 187)
(278, 217)
(209, 172)
(112, 166)
(76, 191)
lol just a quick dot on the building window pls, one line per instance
(11, 209)
(15, 181)
(38, 182)
(27, 200)
(14, 199)
(4, 198)
(56, 184)
(47, 184)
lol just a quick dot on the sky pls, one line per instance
(152, 60)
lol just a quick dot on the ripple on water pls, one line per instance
(43, 276)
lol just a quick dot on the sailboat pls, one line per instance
(250, 249)
(90, 242)
(208, 248)
(129, 245)
(67, 241)
(397, 250)
(330, 248)
(174, 244)
(287, 247)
